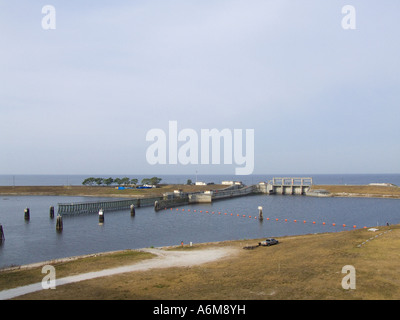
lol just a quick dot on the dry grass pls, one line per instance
(300, 267)
(101, 191)
(361, 190)
(23, 276)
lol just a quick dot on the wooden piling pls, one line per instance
(101, 215)
(260, 213)
(26, 214)
(2, 238)
(59, 223)
(133, 210)
(51, 212)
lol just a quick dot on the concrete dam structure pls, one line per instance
(289, 185)
(277, 186)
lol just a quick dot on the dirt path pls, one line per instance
(164, 259)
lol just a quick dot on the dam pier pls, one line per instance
(296, 186)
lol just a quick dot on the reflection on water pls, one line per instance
(37, 240)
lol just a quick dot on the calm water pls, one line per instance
(37, 240)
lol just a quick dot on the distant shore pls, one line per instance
(101, 191)
(365, 191)
(360, 191)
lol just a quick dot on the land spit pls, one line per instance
(100, 191)
(377, 191)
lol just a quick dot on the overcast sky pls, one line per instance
(79, 99)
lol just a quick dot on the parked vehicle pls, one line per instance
(268, 242)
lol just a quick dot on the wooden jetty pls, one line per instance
(107, 205)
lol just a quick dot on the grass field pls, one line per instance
(101, 191)
(361, 190)
(300, 267)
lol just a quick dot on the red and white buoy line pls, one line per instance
(255, 217)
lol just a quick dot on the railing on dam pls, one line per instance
(291, 181)
(233, 192)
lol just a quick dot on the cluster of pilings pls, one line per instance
(59, 221)
(27, 213)
(101, 213)
(27, 217)
(2, 238)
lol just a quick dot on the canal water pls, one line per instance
(37, 239)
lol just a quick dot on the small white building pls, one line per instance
(232, 183)
(200, 183)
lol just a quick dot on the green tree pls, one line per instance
(155, 180)
(108, 181)
(152, 181)
(146, 181)
(134, 181)
(125, 181)
(89, 181)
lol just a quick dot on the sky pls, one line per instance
(81, 98)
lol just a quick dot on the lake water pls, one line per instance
(37, 240)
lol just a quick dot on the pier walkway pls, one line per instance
(109, 205)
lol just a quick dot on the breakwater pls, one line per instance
(110, 205)
(178, 198)
(174, 199)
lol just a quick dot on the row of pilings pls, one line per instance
(27, 217)
(59, 221)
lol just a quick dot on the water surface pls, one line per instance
(37, 240)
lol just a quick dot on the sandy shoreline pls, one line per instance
(163, 259)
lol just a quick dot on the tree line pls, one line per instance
(119, 181)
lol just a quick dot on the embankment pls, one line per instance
(364, 191)
(100, 191)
